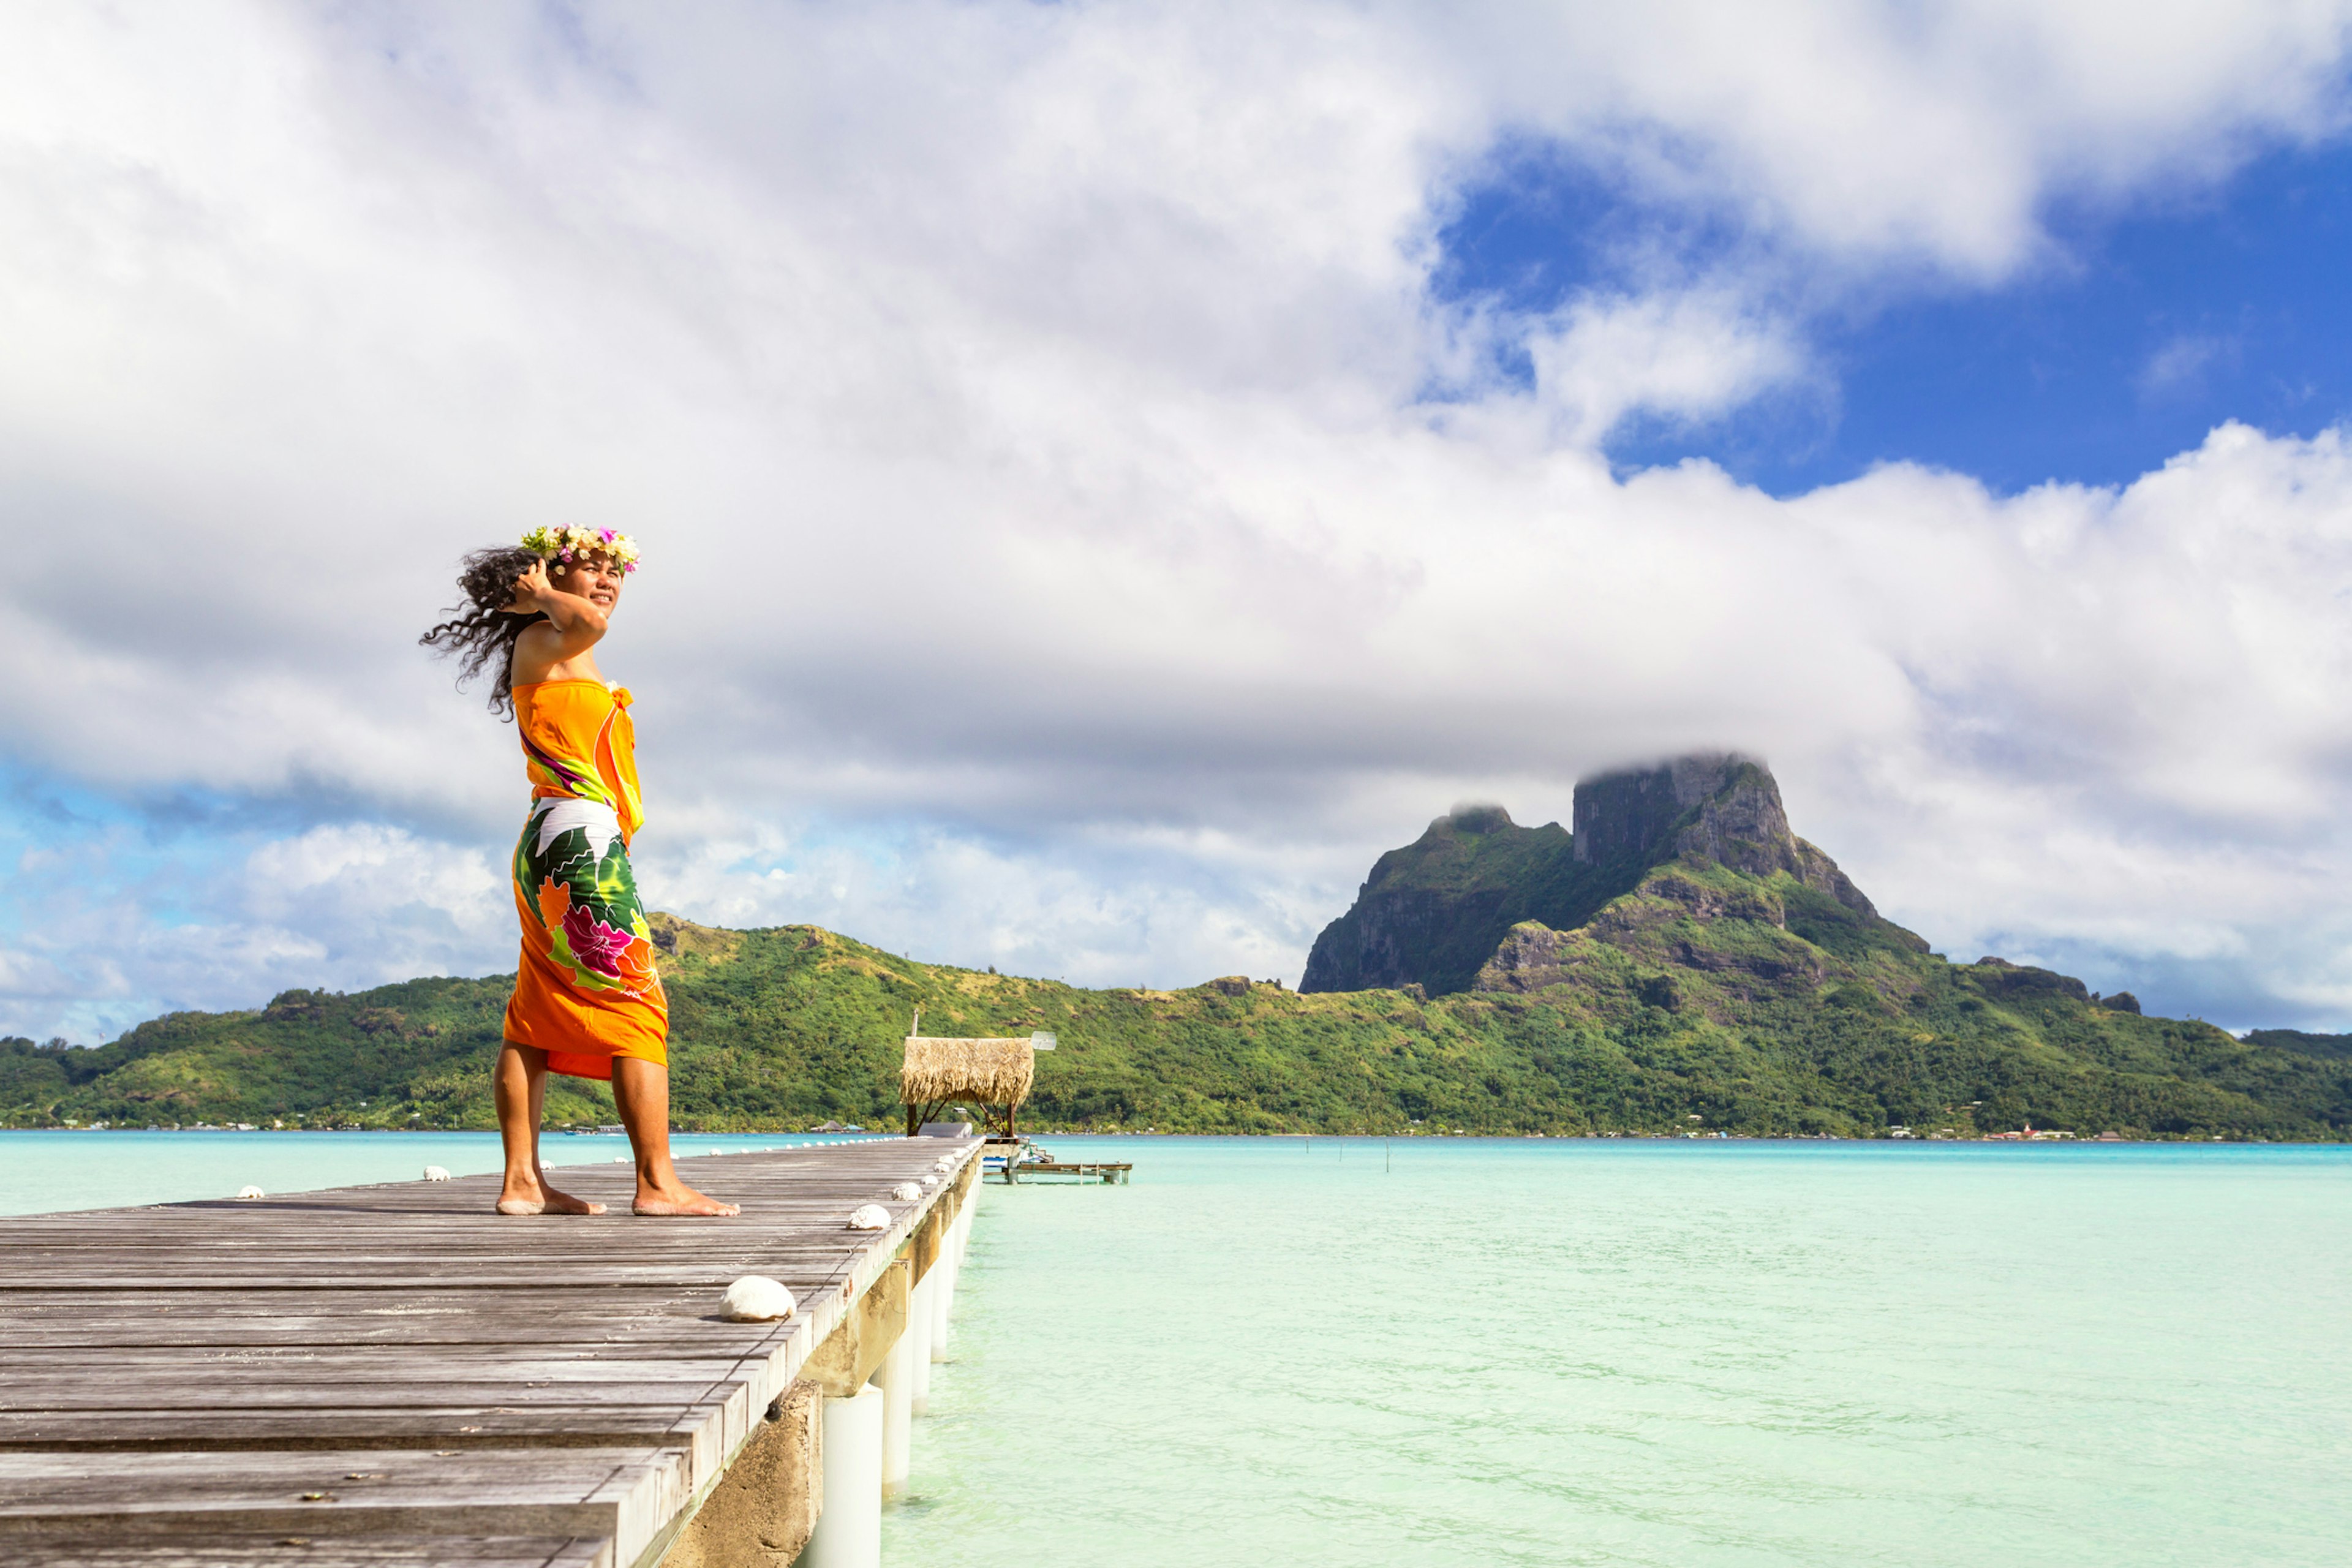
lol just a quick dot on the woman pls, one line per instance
(586, 1001)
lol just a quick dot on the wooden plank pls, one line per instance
(376, 1395)
(169, 1274)
(606, 1424)
(625, 1495)
(513, 1365)
(234, 1551)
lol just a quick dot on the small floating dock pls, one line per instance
(1111, 1175)
(1017, 1161)
(395, 1374)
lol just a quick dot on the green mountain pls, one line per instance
(1434, 913)
(1680, 960)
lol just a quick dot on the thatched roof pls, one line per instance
(990, 1072)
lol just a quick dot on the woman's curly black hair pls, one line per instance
(484, 632)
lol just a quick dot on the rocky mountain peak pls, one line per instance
(1474, 817)
(1713, 805)
(1433, 914)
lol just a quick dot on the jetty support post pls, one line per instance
(945, 1270)
(930, 1251)
(848, 1531)
(942, 1285)
(918, 1345)
(896, 1379)
(855, 1446)
(904, 1376)
(952, 1251)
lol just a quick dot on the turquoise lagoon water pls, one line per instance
(1690, 1353)
(1535, 1351)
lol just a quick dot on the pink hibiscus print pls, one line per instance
(596, 945)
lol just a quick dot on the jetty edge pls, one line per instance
(396, 1374)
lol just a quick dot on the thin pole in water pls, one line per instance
(1384, 1156)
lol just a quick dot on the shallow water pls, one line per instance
(1631, 1352)
(1481, 1352)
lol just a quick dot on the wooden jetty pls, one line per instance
(395, 1374)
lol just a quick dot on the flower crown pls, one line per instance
(559, 544)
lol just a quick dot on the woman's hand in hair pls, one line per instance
(531, 592)
(566, 609)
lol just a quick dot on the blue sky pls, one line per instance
(2149, 321)
(1102, 486)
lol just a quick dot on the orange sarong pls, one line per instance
(587, 990)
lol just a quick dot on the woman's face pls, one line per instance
(596, 578)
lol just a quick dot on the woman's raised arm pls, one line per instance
(574, 624)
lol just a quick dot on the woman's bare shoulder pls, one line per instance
(538, 650)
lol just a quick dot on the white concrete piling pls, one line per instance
(943, 1276)
(849, 1530)
(950, 1266)
(896, 1379)
(918, 1339)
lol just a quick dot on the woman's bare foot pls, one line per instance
(679, 1199)
(564, 1203)
(538, 1197)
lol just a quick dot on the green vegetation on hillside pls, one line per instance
(1706, 970)
(2338, 1047)
(1685, 999)
(1431, 913)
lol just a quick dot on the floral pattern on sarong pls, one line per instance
(591, 923)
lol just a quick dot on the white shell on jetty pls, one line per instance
(755, 1299)
(436, 1174)
(907, 1192)
(251, 1192)
(869, 1216)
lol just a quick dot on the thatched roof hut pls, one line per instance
(940, 1070)
(986, 1072)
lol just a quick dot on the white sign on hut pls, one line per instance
(989, 1074)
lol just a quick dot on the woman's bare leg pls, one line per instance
(642, 1092)
(518, 1089)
